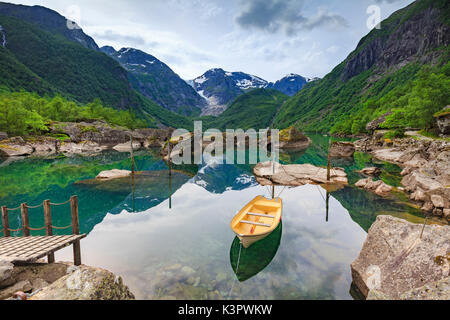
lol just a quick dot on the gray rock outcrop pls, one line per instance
(396, 262)
(86, 283)
(342, 150)
(296, 175)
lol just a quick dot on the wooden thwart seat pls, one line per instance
(261, 215)
(256, 223)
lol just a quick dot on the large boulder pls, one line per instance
(296, 175)
(3, 136)
(292, 139)
(375, 124)
(342, 149)
(15, 147)
(443, 121)
(394, 259)
(438, 290)
(86, 283)
(6, 269)
(378, 187)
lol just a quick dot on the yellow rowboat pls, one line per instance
(258, 219)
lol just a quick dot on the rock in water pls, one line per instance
(372, 171)
(113, 174)
(297, 174)
(394, 260)
(378, 187)
(342, 150)
(292, 139)
(86, 283)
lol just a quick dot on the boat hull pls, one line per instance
(257, 220)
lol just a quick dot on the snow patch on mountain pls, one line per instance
(2, 36)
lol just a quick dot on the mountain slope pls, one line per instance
(254, 109)
(220, 87)
(39, 61)
(412, 43)
(48, 20)
(157, 81)
(290, 84)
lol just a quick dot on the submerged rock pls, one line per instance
(395, 261)
(297, 174)
(86, 283)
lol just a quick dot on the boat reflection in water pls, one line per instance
(247, 263)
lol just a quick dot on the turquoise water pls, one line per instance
(169, 237)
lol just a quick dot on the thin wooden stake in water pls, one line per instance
(132, 155)
(328, 204)
(170, 159)
(25, 220)
(48, 226)
(75, 230)
(5, 221)
(423, 229)
(329, 162)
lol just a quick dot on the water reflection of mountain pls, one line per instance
(218, 178)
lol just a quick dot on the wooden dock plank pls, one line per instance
(31, 249)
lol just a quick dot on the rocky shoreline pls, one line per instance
(82, 138)
(60, 281)
(403, 261)
(426, 169)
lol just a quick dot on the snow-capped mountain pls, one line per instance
(290, 84)
(220, 87)
(157, 81)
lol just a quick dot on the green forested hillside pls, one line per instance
(23, 113)
(80, 73)
(254, 109)
(37, 61)
(388, 71)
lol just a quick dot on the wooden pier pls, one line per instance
(29, 249)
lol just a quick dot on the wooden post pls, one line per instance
(170, 160)
(329, 162)
(328, 204)
(5, 221)
(273, 191)
(132, 155)
(25, 220)
(75, 230)
(48, 226)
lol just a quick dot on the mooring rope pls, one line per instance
(237, 269)
(36, 229)
(60, 204)
(61, 228)
(35, 207)
(14, 209)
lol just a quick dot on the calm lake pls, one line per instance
(170, 238)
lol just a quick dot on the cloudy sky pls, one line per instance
(267, 38)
